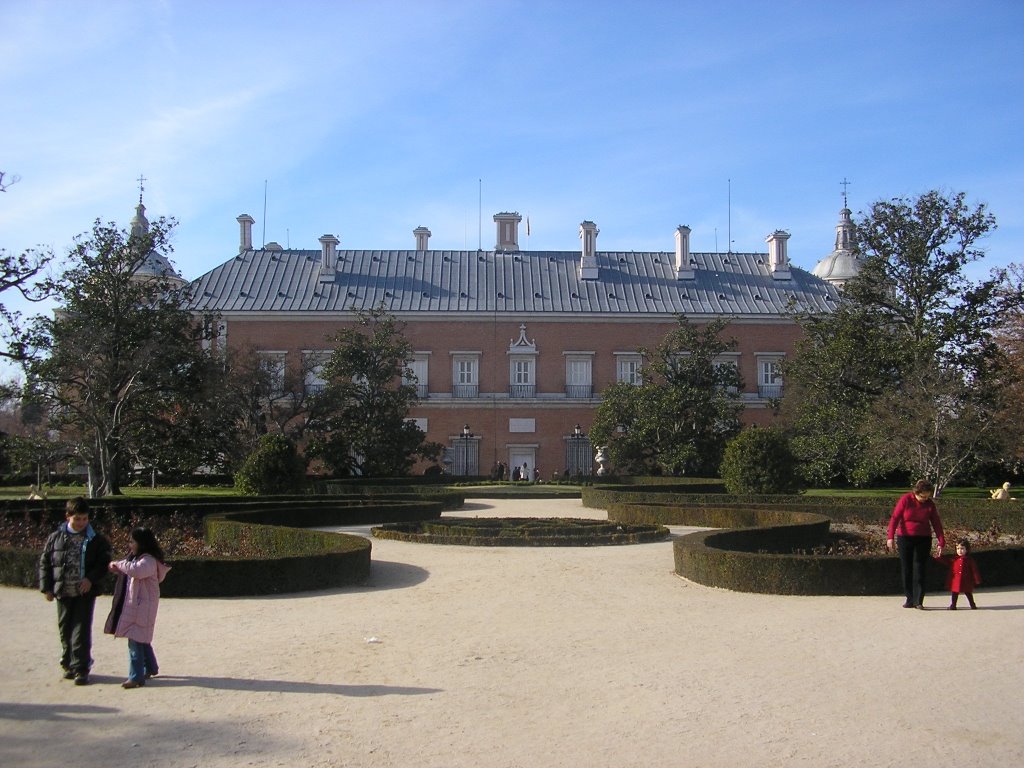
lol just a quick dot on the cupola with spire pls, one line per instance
(156, 265)
(844, 262)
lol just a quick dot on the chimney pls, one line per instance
(684, 269)
(422, 235)
(245, 222)
(588, 261)
(778, 260)
(508, 231)
(328, 257)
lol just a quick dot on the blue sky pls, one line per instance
(367, 119)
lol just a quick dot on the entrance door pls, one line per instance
(519, 456)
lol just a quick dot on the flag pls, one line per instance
(527, 226)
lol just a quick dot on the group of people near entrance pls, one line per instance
(913, 521)
(74, 561)
(518, 473)
(76, 558)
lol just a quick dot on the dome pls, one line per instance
(844, 262)
(156, 264)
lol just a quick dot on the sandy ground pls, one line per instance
(458, 656)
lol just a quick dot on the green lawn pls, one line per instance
(477, 490)
(70, 491)
(952, 492)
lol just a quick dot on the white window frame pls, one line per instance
(628, 368)
(313, 362)
(274, 362)
(522, 370)
(419, 363)
(728, 358)
(465, 371)
(578, 366)
(769, 373)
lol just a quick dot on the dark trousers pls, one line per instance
(955, 595)
(914, 554)
(74, 622)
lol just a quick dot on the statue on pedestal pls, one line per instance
(601, 457)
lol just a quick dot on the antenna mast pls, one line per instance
(729, 247)
(264, 213)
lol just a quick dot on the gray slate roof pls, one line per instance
(534, 282)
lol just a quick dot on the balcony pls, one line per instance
(579, 391)
(464, 391)
(522, 390)
(315, 389)
(769, 391)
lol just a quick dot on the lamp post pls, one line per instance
(579, 460)
(465, 443)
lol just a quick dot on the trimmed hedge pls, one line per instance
(977, 514)
(755, 556)
(601, 496)
(300, 559)
(521, 532)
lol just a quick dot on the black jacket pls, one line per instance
(54, 560)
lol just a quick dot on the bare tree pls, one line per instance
(19, 272)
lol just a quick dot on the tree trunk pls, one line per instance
(108, 459)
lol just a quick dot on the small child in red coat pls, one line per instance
(963, 574)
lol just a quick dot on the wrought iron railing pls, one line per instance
(579, 391)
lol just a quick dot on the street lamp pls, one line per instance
(579, 459)
(464, 450)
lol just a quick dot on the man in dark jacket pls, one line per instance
(74, 560)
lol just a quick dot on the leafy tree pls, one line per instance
(274, 467)
(1010, 337)
(937, 427)
(844, 362)
(120, 361)
(258, 399)
(359, 424)
(196, 431)
(30, 447)
(912, 332)
(759, 460)
(679, 418)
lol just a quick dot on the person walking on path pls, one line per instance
(135, 616)
(963, 574)
(74, 560)
(913, 519)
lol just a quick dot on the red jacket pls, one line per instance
(963, 573)
(911, 517)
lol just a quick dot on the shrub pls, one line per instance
(274, 467)
(759, 460)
